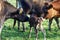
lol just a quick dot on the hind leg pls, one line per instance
(36, 31)
(14, 23)
(30, 31)
(57, 21)
(23, 26)
(18, 25)
(43, 31)
(50, 22)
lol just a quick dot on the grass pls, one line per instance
(9, 33)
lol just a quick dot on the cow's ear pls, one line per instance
(50, 6)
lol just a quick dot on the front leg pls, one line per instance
(23, 26)
(18, 25)
(1, 27)
(36, 31)
(30, 31)
(14, 23)
(50, 22)
(42, 29)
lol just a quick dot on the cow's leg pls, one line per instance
(1, 27)
(44, 32)
(36, 32)
(57, 21)
(23, 26)
(14, 23)
(18, 25)
(30, 31)
(50, 22)
(42, 29)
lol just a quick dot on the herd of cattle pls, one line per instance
(38, 10)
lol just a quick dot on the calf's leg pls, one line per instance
(44, 32)
(14, 23)
(50, 22)
(36, 31)
(42, 29)
(23, 26)
(30, 31)
(18, 25)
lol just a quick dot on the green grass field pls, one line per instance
(9, 33)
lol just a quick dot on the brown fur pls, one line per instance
(56, 4)
(5, 10)
(55, 10)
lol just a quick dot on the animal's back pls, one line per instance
(9, 7)
(56, 4)
(2, 8)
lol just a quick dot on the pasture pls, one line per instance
(9, 33)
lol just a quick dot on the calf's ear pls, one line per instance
(50, 6)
